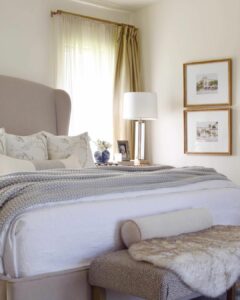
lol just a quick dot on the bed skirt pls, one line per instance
(71, 285)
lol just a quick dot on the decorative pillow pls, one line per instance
(165, 224)
(10, 165)
(60, 147)
(2, 141)
(31, 147)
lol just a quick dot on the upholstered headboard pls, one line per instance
(27, 107)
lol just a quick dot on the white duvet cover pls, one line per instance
(70, 235)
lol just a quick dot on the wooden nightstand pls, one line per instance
(135, 163)
(130, 163)
(109, 164)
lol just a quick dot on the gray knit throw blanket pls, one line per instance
(23, 191)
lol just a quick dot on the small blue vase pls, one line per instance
(105, 156)
(98, 157)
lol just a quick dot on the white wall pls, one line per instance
(25, 35)
(178, 31)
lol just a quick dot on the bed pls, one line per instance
(47, 251)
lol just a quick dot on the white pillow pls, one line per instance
(165, 224)
(2, 141)
(60, 147)
(10, 165)
(31, 147)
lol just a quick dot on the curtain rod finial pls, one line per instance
(53, 13)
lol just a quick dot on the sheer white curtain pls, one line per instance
(86, 53)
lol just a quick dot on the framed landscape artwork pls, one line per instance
(208, 131)
(208, 83)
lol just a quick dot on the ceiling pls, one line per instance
(129, 5)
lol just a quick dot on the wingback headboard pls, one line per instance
(27, 107)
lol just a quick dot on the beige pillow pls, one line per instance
(31, 147)
(9, 165)
(2, 141)
(165, 224)
(60, 147)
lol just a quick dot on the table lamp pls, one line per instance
(140, 106)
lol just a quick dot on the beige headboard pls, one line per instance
(27, 107)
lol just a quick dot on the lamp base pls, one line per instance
(140, 162)
(139, 140)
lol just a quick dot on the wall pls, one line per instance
(178, 31)
(25, 35)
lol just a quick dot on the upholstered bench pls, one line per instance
(117, 271)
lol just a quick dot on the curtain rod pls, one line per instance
(59, 12)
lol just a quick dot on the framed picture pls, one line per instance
(123, 148)
(208, 131)
(208, 83)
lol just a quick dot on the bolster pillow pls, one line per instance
(165, 224)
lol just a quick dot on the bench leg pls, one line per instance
(231, 293)
(98, 293)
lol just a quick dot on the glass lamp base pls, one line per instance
(139, 153)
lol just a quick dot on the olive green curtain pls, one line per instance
(127, 79)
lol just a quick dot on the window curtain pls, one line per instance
(85, 66)
(127, 79)
(96, 63)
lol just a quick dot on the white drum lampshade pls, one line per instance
(140, 106)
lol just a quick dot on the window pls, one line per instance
(85, 69)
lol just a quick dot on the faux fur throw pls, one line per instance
(207, 261)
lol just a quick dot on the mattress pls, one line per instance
(70, 235)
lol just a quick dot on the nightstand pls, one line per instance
(135, 163)
(130, 163)
(109, 164)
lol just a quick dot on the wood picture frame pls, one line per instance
(123, 148)
(207, 83)
(210, 133)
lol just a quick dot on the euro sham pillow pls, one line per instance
(31, 147)
(2, 141)
(61, 147)
(9, 165)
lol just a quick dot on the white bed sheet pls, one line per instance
(69, 235)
